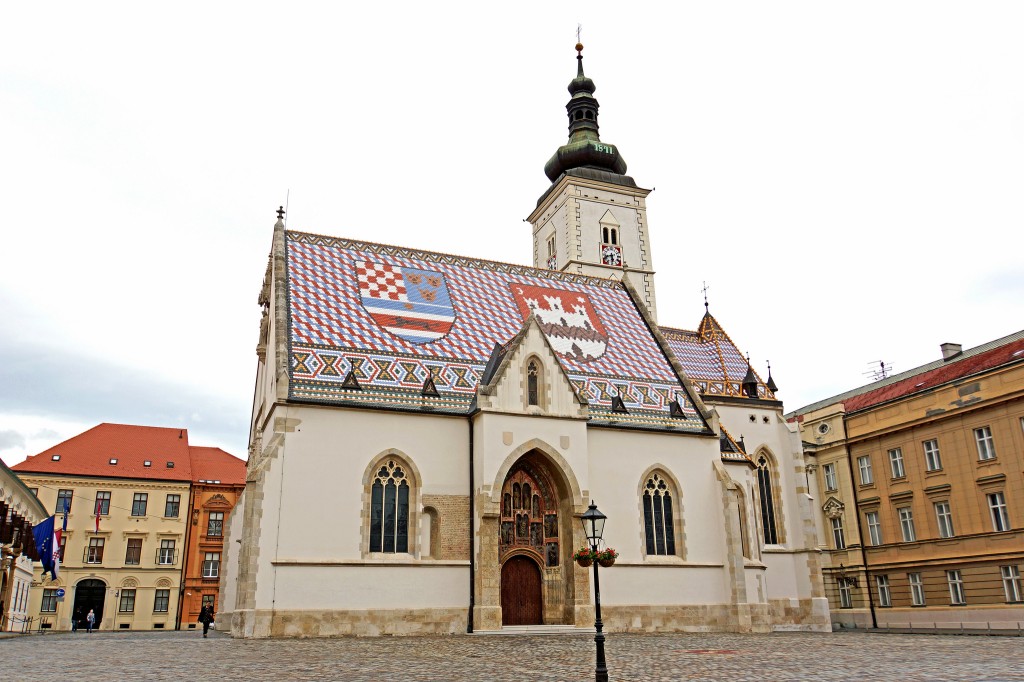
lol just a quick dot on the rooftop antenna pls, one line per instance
(705, 290)
(880, 372)
(579, 28)
(287, 196)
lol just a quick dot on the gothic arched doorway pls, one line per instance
(529, 546)
(521, 592)
(89, 594)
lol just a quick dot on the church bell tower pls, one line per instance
(593, 218)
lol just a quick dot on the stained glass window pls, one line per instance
(389, 510)
(658, 528)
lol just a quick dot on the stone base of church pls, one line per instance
(693, 618)
(342, 623)
(804, 615)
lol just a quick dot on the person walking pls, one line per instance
(90, 620)
(206, 617)
(75, 617)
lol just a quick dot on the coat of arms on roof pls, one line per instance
(411, 303)
(567, 318)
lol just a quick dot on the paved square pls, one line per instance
(783, 656)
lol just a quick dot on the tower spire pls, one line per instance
(584, 149)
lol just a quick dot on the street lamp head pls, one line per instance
(593, 523)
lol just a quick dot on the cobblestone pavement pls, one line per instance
(781, 656)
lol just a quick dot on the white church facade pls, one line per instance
(427, 430)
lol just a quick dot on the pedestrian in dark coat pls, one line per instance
(206, 617)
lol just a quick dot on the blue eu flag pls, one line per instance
(43, 535)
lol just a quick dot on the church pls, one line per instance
(427, 430)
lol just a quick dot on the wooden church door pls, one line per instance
(520, 592)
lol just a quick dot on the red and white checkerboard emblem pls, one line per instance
(377, 280)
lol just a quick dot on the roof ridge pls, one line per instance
(896, 378)
(424, 254)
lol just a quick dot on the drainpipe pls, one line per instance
(472, 535)
(860, 529)
(186, 555)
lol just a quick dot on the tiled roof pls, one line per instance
(90, 454)
(903, 376)
(393, 316)
(955, 369)
(711, 360)
(215, 465)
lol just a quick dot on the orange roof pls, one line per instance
(924, 381)
(129, 447)
(213, 465)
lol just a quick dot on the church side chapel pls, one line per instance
(446, 421)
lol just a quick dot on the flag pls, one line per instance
(97, 516)
(48, 545)
(67, 508)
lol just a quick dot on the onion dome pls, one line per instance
(584, 149)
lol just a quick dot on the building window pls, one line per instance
(864, 464)
(916, 589)
(830, 477)
(103, 502)
(659, 531)
(610, 234)
(127, 604)
(837, 533)
(208, 600)
(165, 557)
(62, 497)
(945, 519)
(94, 552)
(884, 598)
(171, 506)
(932, 460)
(956, 587)
(133, 557)
(389, 509)
(764, 485)
(896, 463)
(845, 594)
(215, 526)
(139, 503)
(874, 528)
(907, 524)
(211, 565)
(986, 446)
(1011, 583)
(49, 604)
(63, 546)
(161, 600)
(998, 511)
(532, 395)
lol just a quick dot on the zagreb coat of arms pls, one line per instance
(567, 318)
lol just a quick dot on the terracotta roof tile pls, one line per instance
(955, 369)
(90, 454)
(213, 464)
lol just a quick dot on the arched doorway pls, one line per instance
(530, 547)
(521, 592)
(89, 594)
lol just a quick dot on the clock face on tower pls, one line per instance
(611, 255)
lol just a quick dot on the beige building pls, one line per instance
(427, 430)
(127, 488)
(922, 485)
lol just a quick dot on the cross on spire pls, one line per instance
(280, 212)
(705, 290)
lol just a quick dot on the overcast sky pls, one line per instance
(847, 177)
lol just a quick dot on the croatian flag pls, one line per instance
(411, 303)
(48, 545)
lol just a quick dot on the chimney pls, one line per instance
(951, 350)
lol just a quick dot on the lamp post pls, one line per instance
(593, 527)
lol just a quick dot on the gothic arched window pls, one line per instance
(767, 495)
(659, 530)
(389, 509)
(532, 392)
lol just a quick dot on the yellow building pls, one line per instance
(920, 481)
(132, 483)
